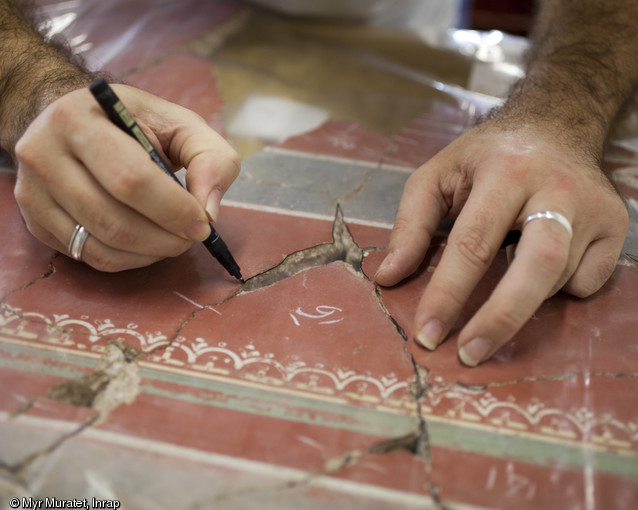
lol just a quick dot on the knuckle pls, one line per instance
(452, 297)
(594, 284)
(126, 183)
(61, 115)
(111, 261)
(413, 180)
(509, 320)
(61, 111)
(583, 284)
(473, 247)
(28, 154)
(103, 259)
(105, 264)
(117, 234)
(179, 216)
(22, 148)
(23, 197)
(411, 237)
(582, 287)
(456, 298)
(622, 221)
(178, 248)
(39, 232)
(407, 233)
(234, 164)
(401, 225)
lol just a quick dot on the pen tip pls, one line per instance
(241, 279)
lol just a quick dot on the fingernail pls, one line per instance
(198, 231)
(430, 335)
(212, 204)
(473, 352)
(385, 264)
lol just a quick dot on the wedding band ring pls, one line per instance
(550, 215)
(76, 244)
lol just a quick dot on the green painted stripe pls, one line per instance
(493, 443)
(446, 435)
(290, 407)
(341, 416)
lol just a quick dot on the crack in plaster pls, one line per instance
(482, 388)
(15, 471)
(408, 442)
(423, 448)
(629, 260)
(114, 381)
(359, 187)
(342, 248)
(49, 272)
(245, 492)
(419, 441)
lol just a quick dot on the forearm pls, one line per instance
(33, 73)
(581, 71)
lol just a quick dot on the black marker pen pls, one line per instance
(121, 117)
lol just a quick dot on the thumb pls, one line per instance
(211, 164)
(420, 211)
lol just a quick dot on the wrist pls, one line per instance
(580, 72)
(33, 73)
(26, 91)
(563, 109)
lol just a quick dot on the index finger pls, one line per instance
(473, 242)
(420, 211)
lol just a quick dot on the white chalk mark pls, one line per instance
(491, 479)
(201, 307)
(187, 299)
(311, 442)
(322, 311)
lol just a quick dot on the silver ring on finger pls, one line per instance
(550, 215)
(76, 244)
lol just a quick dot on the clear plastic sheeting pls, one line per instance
(76, 20)
(489, 62)
(307, 392)
(409, 15)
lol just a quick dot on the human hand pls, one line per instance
(76, 167)
(491, 180)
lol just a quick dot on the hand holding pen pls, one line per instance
(78, 168)
(122, 118)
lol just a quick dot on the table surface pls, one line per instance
(172, 387)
